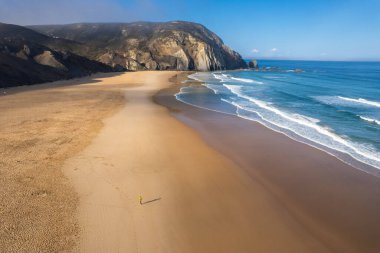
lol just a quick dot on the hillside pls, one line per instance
(38, 54)
(27, 57)
(143, 45)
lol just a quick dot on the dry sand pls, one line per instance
(194, 199)
(40, 127)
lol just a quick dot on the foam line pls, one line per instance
(370, 120)
(361, 101)
(345, 146)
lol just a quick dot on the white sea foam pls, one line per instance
(293, 125)
(370, 120)
(228, 79)
(305, 127)
(194, 77)
(221, 77)
(345, 101)
(244, 80)
(303, 117)
(182, 92)
(211, 87)
(361, 101)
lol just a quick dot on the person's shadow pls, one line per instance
(150, 201)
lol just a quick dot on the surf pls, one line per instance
(304, 121)
(370, 120)
(361, 101)
(306, 107)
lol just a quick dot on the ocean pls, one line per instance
(333, 106)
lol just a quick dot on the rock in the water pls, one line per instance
(253, 64)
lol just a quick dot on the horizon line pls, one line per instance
(308, 59)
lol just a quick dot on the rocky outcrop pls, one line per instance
(47, 53)
(26, 59)
(253, 64)
(47, 58)
(154, 46)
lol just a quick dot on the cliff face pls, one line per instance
(153, 46)
(37, 54)
(26, 59)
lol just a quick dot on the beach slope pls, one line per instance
(113, 163)
(193, 198)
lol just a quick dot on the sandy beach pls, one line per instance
(40, 127)
(336, 203)
(78, 155)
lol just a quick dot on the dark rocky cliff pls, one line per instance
(143, 45)
(37, 54)
(26, 58)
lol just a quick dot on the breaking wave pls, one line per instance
(304, 126)
(370, 120)
(361, 101)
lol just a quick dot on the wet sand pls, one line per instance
(77, 158)
(336, 203)
(194, 199)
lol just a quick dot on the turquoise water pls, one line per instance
(334, 106)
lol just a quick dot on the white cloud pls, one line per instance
(255, 50)
(274, 49)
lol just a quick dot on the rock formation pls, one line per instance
(154, 46)
(25, 59)
(253, 64)
(38, 54)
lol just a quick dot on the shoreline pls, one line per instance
(209, 182)
(194, 198)
(230, 135)
(347, 158)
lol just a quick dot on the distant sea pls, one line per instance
(333, 106)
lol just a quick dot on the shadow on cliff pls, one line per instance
(91, 79)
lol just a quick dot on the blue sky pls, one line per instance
(292, 29)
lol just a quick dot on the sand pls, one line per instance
(108, 142)
(194, 199)
(40, 127)
(335, 202)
